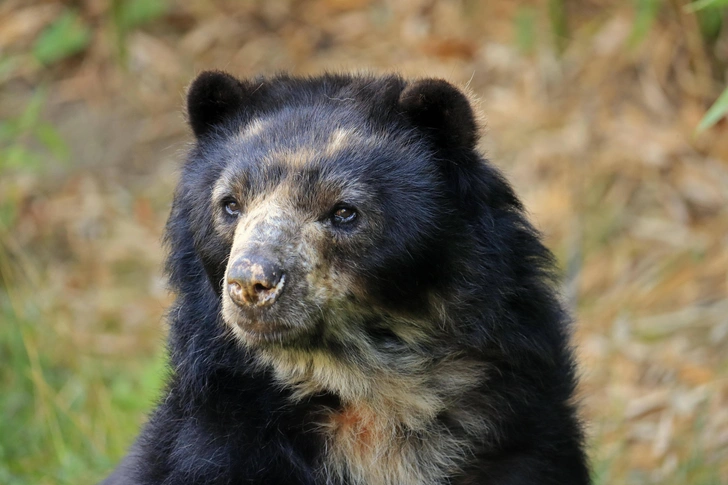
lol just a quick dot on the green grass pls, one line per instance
(66, 417)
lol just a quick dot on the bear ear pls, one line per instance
(213, 97)
(442, 110)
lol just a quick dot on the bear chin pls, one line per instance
(266, 333)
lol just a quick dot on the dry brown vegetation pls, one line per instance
(590, 108)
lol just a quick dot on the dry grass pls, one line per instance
(595, 130)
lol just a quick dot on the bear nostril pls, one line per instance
(235, 290)
(260, 288)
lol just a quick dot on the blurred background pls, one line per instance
(606, 115)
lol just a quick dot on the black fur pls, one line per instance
(449, 225)
(444, 112)
(213, 98)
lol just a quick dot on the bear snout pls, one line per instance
(255, 280)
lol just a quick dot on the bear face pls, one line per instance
(297, 206)
(328, 226)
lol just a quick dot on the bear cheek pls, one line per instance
(327, 283)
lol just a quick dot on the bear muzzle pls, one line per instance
(255, 280)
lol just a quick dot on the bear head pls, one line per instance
(340, 219)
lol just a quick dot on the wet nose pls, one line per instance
(255, 280)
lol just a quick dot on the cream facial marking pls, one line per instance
(340, 139)
(305, 155)
(296, 157)
(252, 129)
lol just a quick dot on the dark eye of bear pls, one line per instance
(343, 215)
(232, 208)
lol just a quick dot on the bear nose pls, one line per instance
(255, 280)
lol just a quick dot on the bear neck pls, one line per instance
(391, 426)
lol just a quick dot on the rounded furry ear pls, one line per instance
(442, 110)
(213, 97)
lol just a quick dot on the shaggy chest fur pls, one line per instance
(369, 446)
(390, 429)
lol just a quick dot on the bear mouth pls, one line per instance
(261, 333)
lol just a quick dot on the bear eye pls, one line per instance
(343, 215)
(232, 208)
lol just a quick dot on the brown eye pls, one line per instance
(232, 208)
(343, 215)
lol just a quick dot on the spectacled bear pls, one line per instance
(360, 298)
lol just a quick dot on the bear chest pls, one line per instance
(365, 445)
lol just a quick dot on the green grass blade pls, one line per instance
(646, 12)
(30, 116)
(559, 24)
(134, 13)
(525, 29)
(715, 113)
(47, 135)
(68, 35)
(701, 4)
